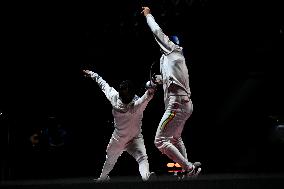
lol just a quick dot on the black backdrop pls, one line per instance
(235, 81)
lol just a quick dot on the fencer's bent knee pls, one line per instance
(162, 145)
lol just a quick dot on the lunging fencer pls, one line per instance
(127, 110)
(174, 78)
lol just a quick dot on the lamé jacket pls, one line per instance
(127, 117)
(172, 62)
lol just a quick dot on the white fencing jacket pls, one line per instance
(127, 117)
(172, 63)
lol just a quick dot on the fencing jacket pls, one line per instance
(127, 117)
(172, 63)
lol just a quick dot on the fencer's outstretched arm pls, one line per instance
(142, 102)
(162, 39)
(109, 91)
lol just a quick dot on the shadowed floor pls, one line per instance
(203, 181)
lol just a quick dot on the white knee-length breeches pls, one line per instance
(168, 135)
(135, 147)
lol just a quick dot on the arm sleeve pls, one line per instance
(142, 102)
(163, 40)
(109, 91)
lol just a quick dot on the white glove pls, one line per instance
(150, 84)
(91, 74)
(94, 75)
(157, 79)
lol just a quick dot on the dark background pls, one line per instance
(233, 53)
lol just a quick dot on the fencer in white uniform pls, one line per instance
(127, 110)
(178, 105)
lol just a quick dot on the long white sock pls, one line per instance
(173, 153)
(144, 169)
(106, 170)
